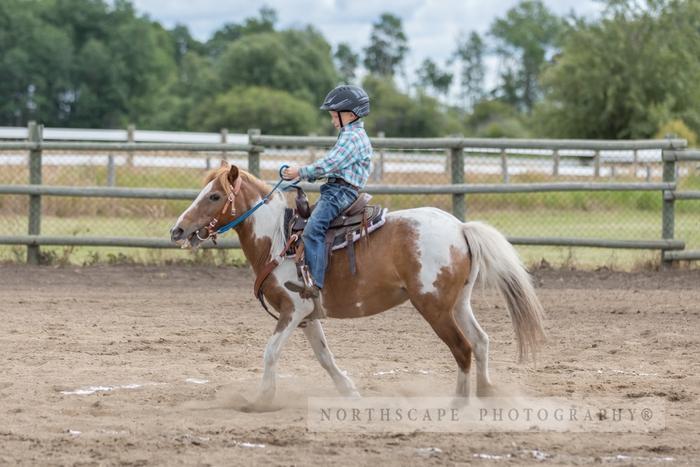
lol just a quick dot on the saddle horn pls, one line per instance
(302, 203)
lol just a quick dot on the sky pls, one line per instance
(432, 26)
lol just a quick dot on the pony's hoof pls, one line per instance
(257, 408)
(259, 405)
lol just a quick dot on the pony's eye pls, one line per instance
(214, 197)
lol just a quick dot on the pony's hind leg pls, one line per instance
(445, 326)
(476, 335)
(314, 333)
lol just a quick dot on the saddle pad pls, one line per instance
(341, 241)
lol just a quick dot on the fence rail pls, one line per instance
(132, 242)
(144, 242)
(98, 192)
(673, 151)
(492, 143)
(130, 134)
(678, 156)
(462, 188)
(81, 146)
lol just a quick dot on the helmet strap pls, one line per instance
(340, 119)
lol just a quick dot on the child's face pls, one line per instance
(346, 116)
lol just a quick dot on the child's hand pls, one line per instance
(290, 173)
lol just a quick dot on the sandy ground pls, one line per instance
(193, 338)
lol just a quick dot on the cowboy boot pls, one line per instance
(312, 293)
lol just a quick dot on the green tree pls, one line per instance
(496, 119)
(523, 38)
(347, 62)
(35, 65)
(143, 58)
(101, 97)
(196, 81)
(80, 63)
(626, 75)
(397, 114)
(387, 46)
(470, 55)
(230, 32)
(305, 69)
(430, 76)
(271, 110)
(183, 42)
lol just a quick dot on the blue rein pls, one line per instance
(249, 212)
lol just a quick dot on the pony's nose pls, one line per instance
(176, 233)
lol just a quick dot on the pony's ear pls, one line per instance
(232, 175)
(224, 163)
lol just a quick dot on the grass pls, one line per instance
(613, 224)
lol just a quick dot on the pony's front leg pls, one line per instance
(315, 336)
(285, 327)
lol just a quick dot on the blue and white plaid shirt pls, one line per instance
(350, 158)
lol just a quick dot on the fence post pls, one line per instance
(457, 170)
(668, 211)
(596, 164)
(635, 162)
(504, 166)
(130, 130)
(378, 172)
(224, 140)
(556, 158)
(253, 154)
(111, 171)
(35, 136)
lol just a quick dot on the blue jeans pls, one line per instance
(334, 200)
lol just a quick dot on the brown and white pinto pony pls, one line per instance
(424, 255)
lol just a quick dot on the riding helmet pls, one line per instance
(347, 98)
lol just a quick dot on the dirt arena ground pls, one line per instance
(179, 345)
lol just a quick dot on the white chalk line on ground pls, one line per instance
(86, 391)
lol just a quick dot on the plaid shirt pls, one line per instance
(349, 159)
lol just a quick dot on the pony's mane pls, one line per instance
(221, 175)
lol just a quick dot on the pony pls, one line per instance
(424, 255)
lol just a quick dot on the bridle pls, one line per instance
(213, 232)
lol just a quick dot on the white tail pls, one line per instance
(501, 267)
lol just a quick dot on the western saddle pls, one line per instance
(357, 220)
(354, 223)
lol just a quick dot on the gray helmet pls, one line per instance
(347, 98)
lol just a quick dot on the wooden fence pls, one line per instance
(673, 151)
